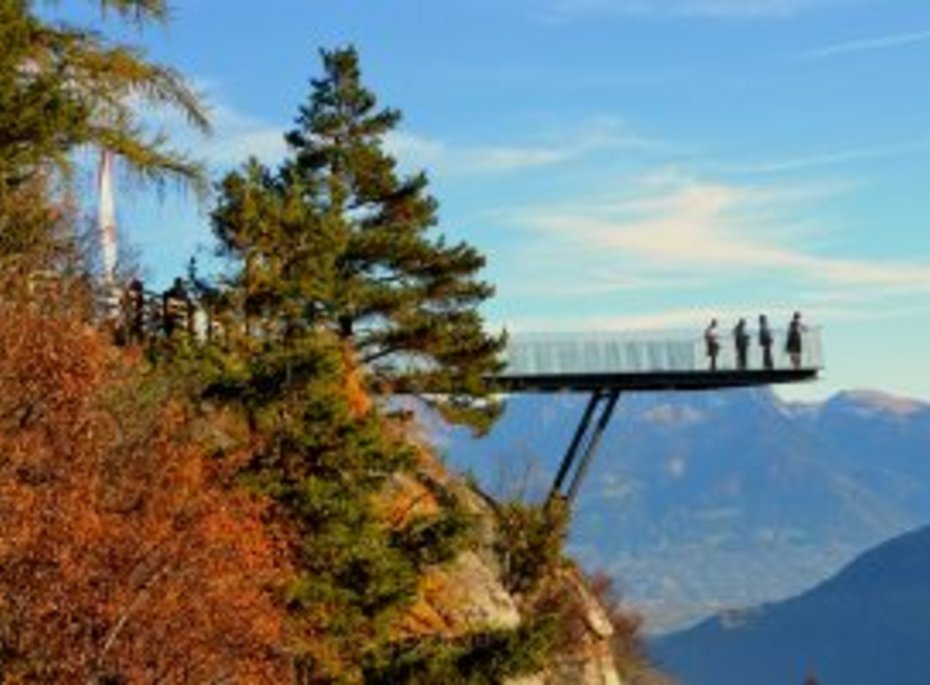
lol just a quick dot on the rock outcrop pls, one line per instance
(468, 594)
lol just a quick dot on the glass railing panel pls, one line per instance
(529, 354)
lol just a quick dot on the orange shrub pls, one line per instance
(123, 555)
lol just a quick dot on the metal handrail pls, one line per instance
(600, 352)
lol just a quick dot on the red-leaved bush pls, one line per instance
(125, 554)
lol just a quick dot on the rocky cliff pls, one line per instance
(470, 594)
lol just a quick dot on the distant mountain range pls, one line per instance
(868, 625)
(707, 501)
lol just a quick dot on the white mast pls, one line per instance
(107, 225)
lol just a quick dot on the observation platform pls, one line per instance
(608, 364)
(648, 361)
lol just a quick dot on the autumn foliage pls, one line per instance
(125, 555)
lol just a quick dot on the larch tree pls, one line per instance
(361, 246)
(63, 87)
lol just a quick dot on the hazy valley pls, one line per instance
(704, 502)
(868, 624)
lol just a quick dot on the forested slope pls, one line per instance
(221, 491)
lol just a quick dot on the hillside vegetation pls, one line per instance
(239, 500)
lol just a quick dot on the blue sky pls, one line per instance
(622, 163)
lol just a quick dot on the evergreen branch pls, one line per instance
(70, 88)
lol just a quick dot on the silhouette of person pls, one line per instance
(175, 308)
(135, 311)
(765, 342)
(712, 343)
(793, 342)
(741, 339)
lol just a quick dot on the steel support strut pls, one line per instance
(599, 429)
(581, 437)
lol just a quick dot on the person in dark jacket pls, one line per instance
(765, 342)
(793, 342)
(741, 340)
(176, 309)
(712, 343)
(135, 312)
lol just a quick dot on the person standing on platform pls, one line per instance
(176, 309)
(712, 343)
(765, 342)
(793, 343)
(135, 312)
(741, 339)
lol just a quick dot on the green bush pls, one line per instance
(484, 658)
(529, 543)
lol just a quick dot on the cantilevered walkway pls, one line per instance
(609, 364)
(600, 363)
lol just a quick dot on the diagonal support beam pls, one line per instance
(591, 449)
(587, 437)
(580, 433)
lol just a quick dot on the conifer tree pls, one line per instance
(64, 86)
(360, 250)
(321, 458)
(331, 273)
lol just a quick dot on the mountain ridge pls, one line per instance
(869, 623)
(702, 502)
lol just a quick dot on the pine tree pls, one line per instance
(360, 251)
(331, 276)
(282, 260)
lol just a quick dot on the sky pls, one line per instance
(622, 163)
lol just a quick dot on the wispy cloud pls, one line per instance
(894, 40)
(238, 136)
(543, 275)
(715, 230)
(688, 319)
(830, 158)
(414, 150)
(594, 136)
(705, 8)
